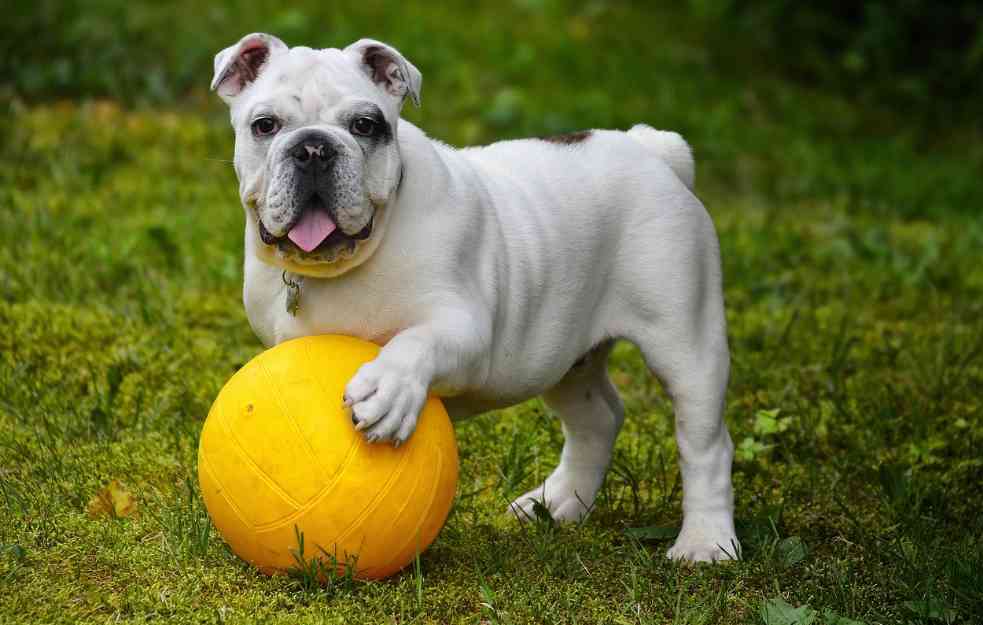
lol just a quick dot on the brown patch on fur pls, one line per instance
(569, 138)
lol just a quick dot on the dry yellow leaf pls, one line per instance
(622, 379)
(113, 501)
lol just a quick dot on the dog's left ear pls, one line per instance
(387, 68)
(238, 66)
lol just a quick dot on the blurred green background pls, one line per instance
(838, 149)
(916, 52)
(894, 81)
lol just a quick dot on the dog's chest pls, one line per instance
(283, 306)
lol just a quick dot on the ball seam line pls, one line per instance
(247, 459)
(379, 496)
(300, 510)
(277, 394)
(203, 462)
(426, 515)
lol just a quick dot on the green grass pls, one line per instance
(851, 248)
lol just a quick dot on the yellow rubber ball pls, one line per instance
(279, 455)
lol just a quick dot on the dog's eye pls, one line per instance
(265, 126)
(364, 126)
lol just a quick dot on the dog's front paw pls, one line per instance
(385, 401)
(706, 540)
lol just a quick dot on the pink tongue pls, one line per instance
(314, 227)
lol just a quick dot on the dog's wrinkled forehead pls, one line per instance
(312, 83)
(261, 67)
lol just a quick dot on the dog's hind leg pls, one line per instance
(696, 383)
(591, 412)
(678, 323)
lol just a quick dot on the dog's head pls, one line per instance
(315, 147)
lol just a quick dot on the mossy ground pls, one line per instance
(851, 247)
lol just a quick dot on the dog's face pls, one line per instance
(315, 147)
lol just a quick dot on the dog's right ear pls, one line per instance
(237, 66)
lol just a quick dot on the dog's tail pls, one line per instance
(670, 147)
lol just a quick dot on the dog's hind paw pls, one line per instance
(567, 495)
(705, 543)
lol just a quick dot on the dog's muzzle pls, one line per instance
(315, 227)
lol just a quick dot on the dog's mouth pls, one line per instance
(315, 232)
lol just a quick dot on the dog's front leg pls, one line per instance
(387, 394)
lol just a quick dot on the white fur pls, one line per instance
(670, 147)
(501, 266)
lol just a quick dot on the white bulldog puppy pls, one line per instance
(489, 275)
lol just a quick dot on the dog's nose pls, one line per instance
(312, 153)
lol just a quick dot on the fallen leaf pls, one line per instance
(777, 611)
(113, 501)
(622, 379)
(790, 551)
